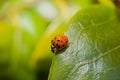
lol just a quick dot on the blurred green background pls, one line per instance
(26, 28)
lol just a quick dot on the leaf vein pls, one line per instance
(76, 67)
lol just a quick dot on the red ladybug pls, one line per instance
(58, 43)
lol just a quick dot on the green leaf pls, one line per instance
(94, 49)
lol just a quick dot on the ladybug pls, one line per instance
(58, 43)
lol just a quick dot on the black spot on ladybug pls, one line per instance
(58, 40)
(63, 45)
(52, 41)
(66, 42)
(58, 46)
(61, 41)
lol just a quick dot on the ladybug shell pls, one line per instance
(59, 42)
